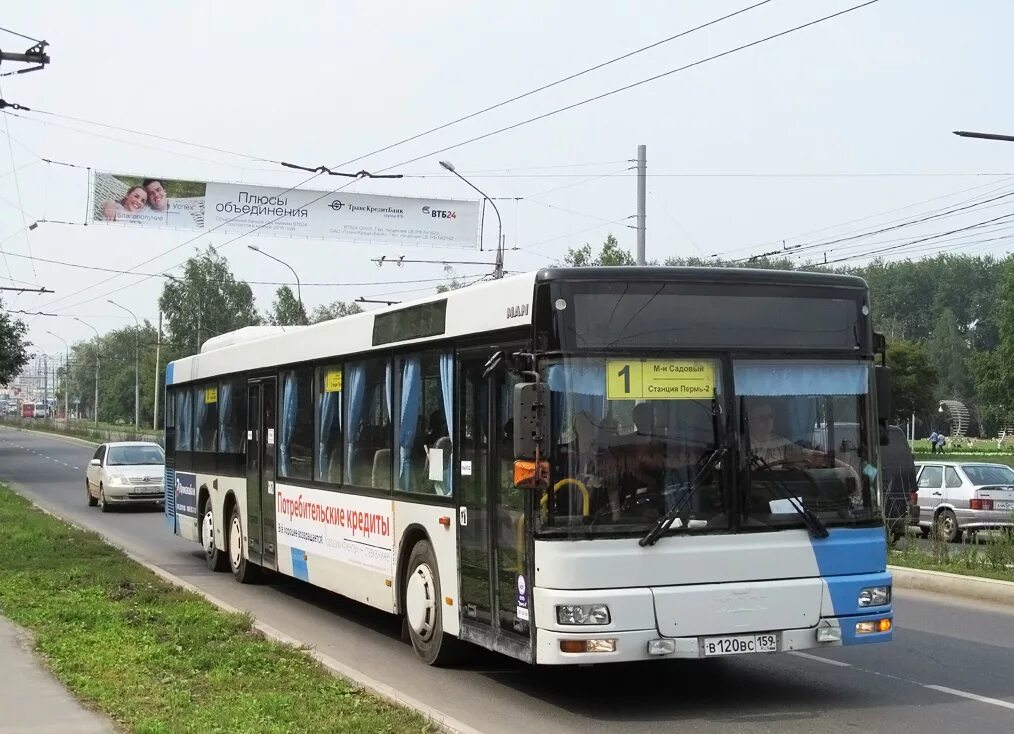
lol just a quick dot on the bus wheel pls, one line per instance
(244, 571)
(92, 501)
(423, 608)
(216, 559)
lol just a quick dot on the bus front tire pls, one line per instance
(244, 571)
(213, 557)
(423, 609)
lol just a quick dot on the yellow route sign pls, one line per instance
(660, 379)
(211, 395)
(333, 381)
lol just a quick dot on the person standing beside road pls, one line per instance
(933, 442)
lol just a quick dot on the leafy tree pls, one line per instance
(13, 346)
(994, 370)
(948, 353)
(453, 284)
(913, 380)
(335, 310)
(286, 310)
(610, 254)
(205, 302)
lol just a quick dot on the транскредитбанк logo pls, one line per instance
(336, 205)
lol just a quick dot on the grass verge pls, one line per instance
(157, 658)
(992, 559)
(1007, 458)
(83, 430)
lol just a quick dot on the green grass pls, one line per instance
(993, 559)
(158, 659)
(84, 430)
(1007, 459)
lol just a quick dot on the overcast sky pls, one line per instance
(763, 145)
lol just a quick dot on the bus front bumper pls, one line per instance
(638, 645)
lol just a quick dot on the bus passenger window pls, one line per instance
(329, 424)
(231, 416)
(295, 445)
(206, 420)
(425, 423)
(367, 388)
(184, 419)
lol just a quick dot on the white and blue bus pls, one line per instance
(570, 466)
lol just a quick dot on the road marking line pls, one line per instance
(972, 696)
(76, 468)
(829, 661)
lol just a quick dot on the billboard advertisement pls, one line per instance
(162, 203)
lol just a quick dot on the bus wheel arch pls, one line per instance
(412, 535)
(422, 604)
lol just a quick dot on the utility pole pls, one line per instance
(45, 384)
(642, 166)
(137, 365)
(158, 357)
(66, 376)
(97, 344)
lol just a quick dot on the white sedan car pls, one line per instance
(125, 472)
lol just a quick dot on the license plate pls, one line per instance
(740, 645)
(1003, 505)
(152, 490)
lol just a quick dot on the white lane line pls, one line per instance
(972, 696)
(76, 468)
(829, 661)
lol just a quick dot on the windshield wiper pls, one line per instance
(663, 523)
(813, 523)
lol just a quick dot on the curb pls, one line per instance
(953, 584)
(378, 688)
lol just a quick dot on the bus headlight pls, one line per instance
(875, 596)
(582, 614)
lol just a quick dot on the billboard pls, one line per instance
(162, 203)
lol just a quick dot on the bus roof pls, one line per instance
(484, 307)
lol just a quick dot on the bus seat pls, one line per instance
(382, 468)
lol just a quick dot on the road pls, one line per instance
(948, 669)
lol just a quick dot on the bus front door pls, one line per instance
(260, 472)
(494, 569)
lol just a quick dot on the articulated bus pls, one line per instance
(574, 466)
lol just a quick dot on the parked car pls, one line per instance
(959, 496)
(125, 472)
(901, 491)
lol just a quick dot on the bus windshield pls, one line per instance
(629, 439)
(807, 440)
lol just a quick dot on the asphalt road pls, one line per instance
(948, 669)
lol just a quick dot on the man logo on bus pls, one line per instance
(516, 312)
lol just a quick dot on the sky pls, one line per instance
(785, 143)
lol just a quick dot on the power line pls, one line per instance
(633, 85)
(550, 85)
(21, 202)
(21, 35)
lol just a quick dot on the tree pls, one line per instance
(205, 302)
(994, 371)
(13, 346)
(335, 310)
(948, 353)
(913, 380)
(610, 254)
(453, 284)
(286, 310)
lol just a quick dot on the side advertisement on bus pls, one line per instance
(356, 530)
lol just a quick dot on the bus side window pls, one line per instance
(328, 450)
(368, 395)
(295, 444)
(425, 423)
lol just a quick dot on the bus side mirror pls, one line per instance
(884, 409)
(531, 419)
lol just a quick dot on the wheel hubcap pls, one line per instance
(208, 532)
(236, 543)
(420, 601)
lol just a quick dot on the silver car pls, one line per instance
(125, 472)
(958, 496)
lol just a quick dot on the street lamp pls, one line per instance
(299, 290)
(137, 360)
(984, 136)
(66, 377)
(96, 366)
(498, 268)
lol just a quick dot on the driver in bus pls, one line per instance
(778, 451)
